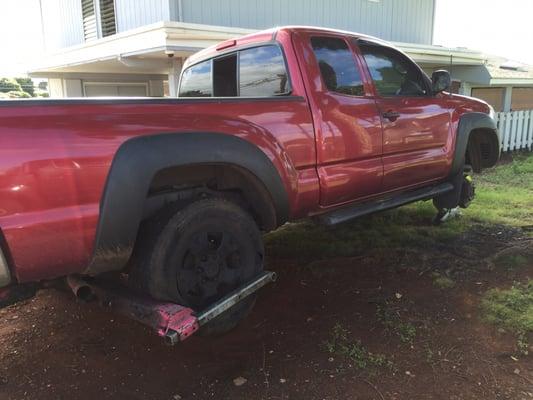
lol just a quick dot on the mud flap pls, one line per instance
(461, 196)
(468, 191)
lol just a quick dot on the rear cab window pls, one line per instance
(196, 81)
(253, 72)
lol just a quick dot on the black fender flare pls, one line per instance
(467, 123)
(133, 168)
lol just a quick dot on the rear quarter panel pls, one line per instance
(55, 158)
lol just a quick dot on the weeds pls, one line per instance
(341, 344)
(430, 354)
(393, 323)
(511, 261)
(442, 282)
(522, 343)
(511, 309)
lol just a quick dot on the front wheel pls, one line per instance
(198, 254)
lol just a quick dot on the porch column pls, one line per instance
(507, 98)
(173, 76)
(55, 87)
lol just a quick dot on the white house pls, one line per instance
(137, 47)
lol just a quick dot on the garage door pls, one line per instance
(105, 90)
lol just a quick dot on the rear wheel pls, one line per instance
(196, 255)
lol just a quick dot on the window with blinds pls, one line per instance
(107, 17)
(90, 31)
(98, 19)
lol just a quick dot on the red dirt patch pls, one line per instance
(53, 348)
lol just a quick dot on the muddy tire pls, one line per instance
(196, 255)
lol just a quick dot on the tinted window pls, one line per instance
(196, 81)
(262, 72)
(225, 76)
(392, 72)
(337, 66)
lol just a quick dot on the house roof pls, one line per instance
(499, 75)
(141, 50)
(424, 54)
(146, 50)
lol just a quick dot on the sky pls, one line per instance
(497, 27)
(20, 35)
(502, 28)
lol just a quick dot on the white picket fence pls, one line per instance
(516, 129)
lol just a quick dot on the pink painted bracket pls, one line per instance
(172, 321)
(176, 322)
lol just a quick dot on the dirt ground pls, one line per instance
(53, 348)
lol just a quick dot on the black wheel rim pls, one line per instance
(210, 267)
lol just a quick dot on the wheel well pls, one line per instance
(183, 184)
(483, 149)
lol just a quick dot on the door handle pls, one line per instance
(391, 115)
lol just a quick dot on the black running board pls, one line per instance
(348, 213)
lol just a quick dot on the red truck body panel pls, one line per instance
(53, 166)
(329, 150)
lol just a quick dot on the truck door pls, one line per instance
(416, 124)
(346, 120)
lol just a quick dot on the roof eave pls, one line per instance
(511, 81)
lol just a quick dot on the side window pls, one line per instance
(262, 72)
(337, 66)
(196, 81)
(255, 72)
(393, 73)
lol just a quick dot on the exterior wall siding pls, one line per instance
(62, 23)
(396, 20)
(133, 14)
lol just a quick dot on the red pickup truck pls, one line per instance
(271, 127)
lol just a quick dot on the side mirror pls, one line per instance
(440, 81)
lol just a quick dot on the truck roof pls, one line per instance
(266, 36)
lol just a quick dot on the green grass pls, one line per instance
(517, 173)
(504, 196)
(512, 310)
(341, 344)
(408, 226)
(505, 193)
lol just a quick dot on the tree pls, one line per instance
(18, 95)
(9, 85)
(27, 85)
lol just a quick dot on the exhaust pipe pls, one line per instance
(172, 321)
(81, 289)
